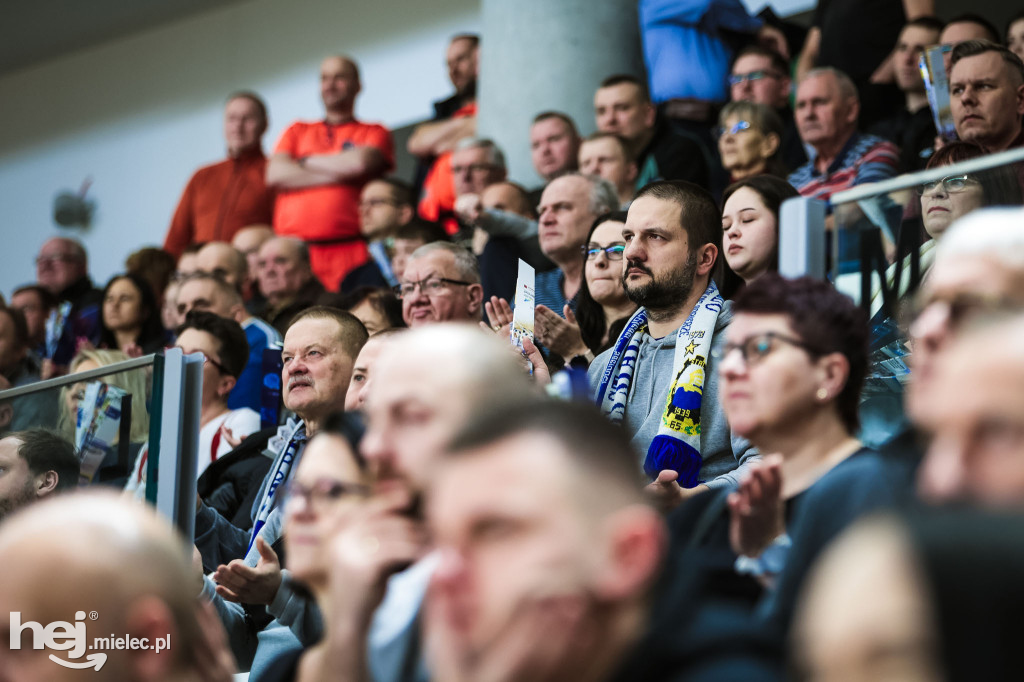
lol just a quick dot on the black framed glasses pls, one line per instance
(738, 78)
(429, 286)
(322, 493)
(756, 347)
(613, 251)
(737, 127)
(950, 184)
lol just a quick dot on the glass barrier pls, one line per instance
(879, 243)
(120, 417)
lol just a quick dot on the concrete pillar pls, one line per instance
(538, 55)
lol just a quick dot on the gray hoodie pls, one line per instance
(725, 455)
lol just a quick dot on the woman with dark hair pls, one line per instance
(602, 305)
(929, 597)
(790, 375)
(749, 137)
(130, 319)
(750, 224)
(378, 309)
(945, 200)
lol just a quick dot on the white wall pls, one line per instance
(140, 114)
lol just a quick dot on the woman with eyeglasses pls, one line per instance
(945, 200)
(749, 136)
(750, 225)
(602, 305)
(790, 375)
(328, 488)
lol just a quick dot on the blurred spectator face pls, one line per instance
(604, 275)
(958, 32)
(606, 158)
(552, 147)
(621, 109)
(11, 352)
(281, 271)
(506, 550)
(911, 43)
(400, 252)
(316, 369)
(188, 263)
(865, 614)
(17, 482)
(750, 234)
(202, 294)
(954, 291)
(169, 313)
(987, 100)
(122, 308)
(339, 83)
(503, 196)
(823, 116)
(944, 201)
(216, 382)
(31, 306)
(462, 64)
(474, 170)
(449, 302)
(975, 415)
(372, 318)
(223, 260)
(58, 266)
(379, 212)
(243, 125)
(565, 216)
(248, 241)
(744, 149)
(1015, 38)
(363, 372)
(326, 488)
(760, 82)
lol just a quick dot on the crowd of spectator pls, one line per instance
(669, 480)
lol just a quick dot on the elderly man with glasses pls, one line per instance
(441, 283)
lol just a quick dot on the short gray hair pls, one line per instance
(495, 156)
(847, 89)
(465, 262)
(603, 197)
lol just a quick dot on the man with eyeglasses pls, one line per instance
(384, 206)
(62, 268)
(261, 611)
(476, 163)
(440, 283)
(761, 75)
(827, 110)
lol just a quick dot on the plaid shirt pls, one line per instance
(864, 158)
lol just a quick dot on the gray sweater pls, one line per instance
(724, 454)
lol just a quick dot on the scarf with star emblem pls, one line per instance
(677, 445)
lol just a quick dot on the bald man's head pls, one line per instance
(225, 261)
(428, 383)
(283, 268)
(92, 553)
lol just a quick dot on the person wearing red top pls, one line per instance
(319, 168)
(222, 198)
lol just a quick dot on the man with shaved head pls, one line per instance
(285, 276)
(248, 241)
(319, 168)
(224, 197)
(93, 553)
